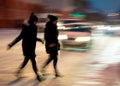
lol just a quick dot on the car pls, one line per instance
(75, 37)
(70, 20)
(42, 19)
(42, 22)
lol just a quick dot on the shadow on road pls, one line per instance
(14, 82)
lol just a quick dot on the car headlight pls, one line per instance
(82, 39)
(62, 37)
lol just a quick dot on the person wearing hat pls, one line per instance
(28, 36)
(51, 43)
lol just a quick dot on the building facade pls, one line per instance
(13, 12)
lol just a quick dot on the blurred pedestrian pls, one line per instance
(51, 43)
(28, 36)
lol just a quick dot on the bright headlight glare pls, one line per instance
(62, 37)
(82, 39)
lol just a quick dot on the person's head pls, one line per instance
(33, 19)
(53, 18)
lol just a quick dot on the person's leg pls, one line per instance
(34, 66)
(25, 61)
(45, 64)
(47, 61)
(55, 60)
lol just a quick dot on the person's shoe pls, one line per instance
(58, 75)
(18, 74)
(40, 78)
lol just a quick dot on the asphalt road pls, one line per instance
(97, 67)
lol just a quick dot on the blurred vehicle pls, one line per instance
(43, 19)
(70, 20)
(111, 30)
(41, 24)
(75, 37)
(67, 21)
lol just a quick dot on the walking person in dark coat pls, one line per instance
(28, 36)
(51, 43)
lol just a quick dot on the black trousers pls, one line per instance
(52, 57)
(33, 61)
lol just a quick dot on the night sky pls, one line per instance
(106, 6)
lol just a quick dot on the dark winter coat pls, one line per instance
(51, 36)
(29, 38)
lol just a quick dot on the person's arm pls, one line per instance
(15, 40)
